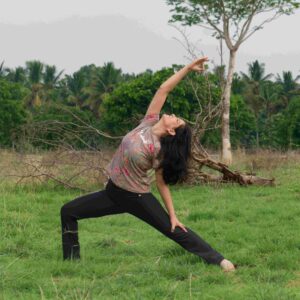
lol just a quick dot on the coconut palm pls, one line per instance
(3, 71)
(17, 75)
(269, 93)
(219, 71)
(50, 80)
(238, 84)
(76, 84)
(255, 79)
(256, 72)
(34, 70)
(289, 86)
(103, 82)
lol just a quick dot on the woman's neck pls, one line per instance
(159, 130)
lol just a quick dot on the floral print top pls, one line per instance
(136, 155)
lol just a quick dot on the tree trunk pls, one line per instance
(257, 134)
(226, 146)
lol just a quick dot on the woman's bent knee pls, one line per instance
(65, 210)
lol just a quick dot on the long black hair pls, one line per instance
(174, 154)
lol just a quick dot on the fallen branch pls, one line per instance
(201, 158)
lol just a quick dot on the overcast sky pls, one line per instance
(134, 34)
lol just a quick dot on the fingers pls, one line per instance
(203, 59)
(179, 225)
(198, 64)
(183, 228)
(200, 69)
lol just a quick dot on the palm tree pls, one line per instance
(34, 71)
(50, 80)
(269, 93)
(238, 84)
(103, 82)
(219, 71)
(3, 71)
(76, 84)
(288, 85)
(17, 75)
(256, 72)
(254, 81)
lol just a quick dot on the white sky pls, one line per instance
(134, 34)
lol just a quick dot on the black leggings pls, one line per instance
(115, 200)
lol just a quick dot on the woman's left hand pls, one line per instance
(175, 222)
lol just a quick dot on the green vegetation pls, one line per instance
(124, 258)
(265, 113)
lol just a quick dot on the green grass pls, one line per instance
(124, 258)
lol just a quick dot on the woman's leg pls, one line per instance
(147, 208)
(92, 205)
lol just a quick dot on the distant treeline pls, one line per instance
(265, 108)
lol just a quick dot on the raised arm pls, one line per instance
(163, 91)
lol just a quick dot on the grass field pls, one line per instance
(124, 258)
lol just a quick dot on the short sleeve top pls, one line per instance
(136, 154)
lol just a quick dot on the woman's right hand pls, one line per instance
(198, 64)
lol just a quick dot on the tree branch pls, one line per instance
(276, 15)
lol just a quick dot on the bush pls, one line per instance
(12, 111)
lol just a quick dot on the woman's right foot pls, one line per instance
(227, 265)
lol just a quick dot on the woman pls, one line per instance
(160, 144)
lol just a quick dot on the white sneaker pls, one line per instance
(227, 265)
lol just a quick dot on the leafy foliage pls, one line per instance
(284, 127)
(261, 109)
(212, 12)
(123, 108)
(12, 112)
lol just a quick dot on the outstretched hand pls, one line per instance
(198, 64)
(175, 222)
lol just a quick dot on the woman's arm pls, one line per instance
(163, 91)
(164, 192)
(166, 196)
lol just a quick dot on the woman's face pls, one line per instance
(171, 121)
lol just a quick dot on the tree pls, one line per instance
(238, 84)
(256, 72)
(76, 84)
(50, 76)
(268, 95)
(288, 86)
(34, 71)
(255, 80)
(50, 79)
(3, 71)
(231, 21)
(128, 102)
(192, 99)
(12, 112)
(17, 75)
(284, 128)
(103, 82)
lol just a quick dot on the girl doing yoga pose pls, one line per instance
(162, 144)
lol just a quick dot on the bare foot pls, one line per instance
(227, 265)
